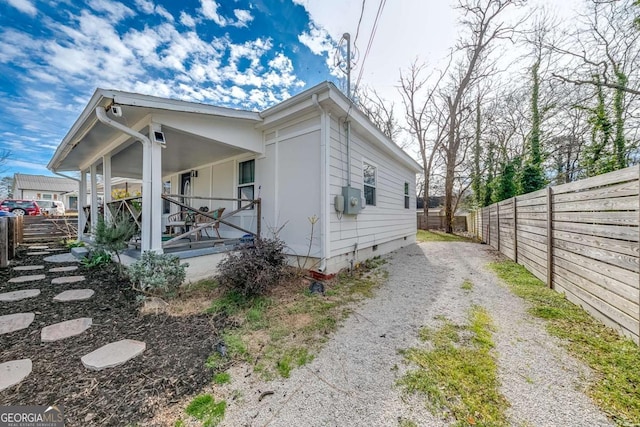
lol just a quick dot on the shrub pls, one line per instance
(114, 235)
(157, 273)
(98, 258)
(253, 270)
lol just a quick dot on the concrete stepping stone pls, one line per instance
(38, 248)
(11, 373)
(66, 279)
(39, 253)
(28, 267)
(30, 278)
(63, 269)
(112, 355)
(74, 295)
(62, 330)
(68, 257)
(18, 295)
(15, 322)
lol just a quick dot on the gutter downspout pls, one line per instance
(101, 114)
(324, 185)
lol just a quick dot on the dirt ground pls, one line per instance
(172, 365)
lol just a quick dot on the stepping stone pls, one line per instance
(61, 258)
(28, 267)
(15, 322)
(38, 248)
(74, 295)
(67, 279)
(62, 269)
(31, 278)
(11, 373)
(112, 355)
(62, 330)
(18, 295)
(39, 253)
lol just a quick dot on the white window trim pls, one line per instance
(236, 185)
(375, 187)
(406, 195)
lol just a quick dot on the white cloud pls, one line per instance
(317, 40)
(114, 9)
(187, 20)
(209, 9)
(243, 18)
(148, 7)
(24, 6)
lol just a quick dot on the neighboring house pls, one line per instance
(287, 163)
(40, 187)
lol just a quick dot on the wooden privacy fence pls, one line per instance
(10, 237)
(438, 222)
(580, 238)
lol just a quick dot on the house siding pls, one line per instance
(383, 223)
(290, 179)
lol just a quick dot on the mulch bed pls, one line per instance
(171, 367)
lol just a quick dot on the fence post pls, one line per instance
(515, 231)
(639, 243)
(12, 223)
(498, 223)
(4, 244)
(259, 213)
(549, 238)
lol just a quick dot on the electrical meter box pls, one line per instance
(352, 200)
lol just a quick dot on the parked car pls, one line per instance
(20, 207)
(51, 207)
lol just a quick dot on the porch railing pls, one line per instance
(131, 208)
(178, 199)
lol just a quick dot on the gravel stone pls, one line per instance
(352, 381)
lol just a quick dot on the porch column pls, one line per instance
(82, 201)
(156, 191)
(147, 173)
(106, 178)
(94, 197)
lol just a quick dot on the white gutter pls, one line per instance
(324, 185)
(65, 176)
(101, 114)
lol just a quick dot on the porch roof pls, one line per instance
(191, 131)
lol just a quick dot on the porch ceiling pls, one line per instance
(184, 150)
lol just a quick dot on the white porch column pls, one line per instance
(82, 201)
(147, 203)
(106, 178)
(156, 191)
(94, 197)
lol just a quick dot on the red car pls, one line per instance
(20, 207)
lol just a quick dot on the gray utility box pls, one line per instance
(352, 200)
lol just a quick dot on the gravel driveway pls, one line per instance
(352, 381)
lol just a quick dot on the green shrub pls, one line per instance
(114, 235)
(253, 270)
(157, 273)
(96, 259)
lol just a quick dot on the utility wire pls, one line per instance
(374, 29)
(355, 41)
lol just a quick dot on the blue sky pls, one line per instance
(54, 53)
(239, 53)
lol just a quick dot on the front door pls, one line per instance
(185, 188)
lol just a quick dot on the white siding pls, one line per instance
(290, 178)
(375, 225)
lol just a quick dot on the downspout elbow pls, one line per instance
(101, 114)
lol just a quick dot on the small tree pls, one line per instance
(113, 236)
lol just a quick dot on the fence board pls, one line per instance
(604, 218)
(613, 245)
(592, 266)
(618, 190)
(628, 174)
(615, 204)
(610, 231)
(619, 260)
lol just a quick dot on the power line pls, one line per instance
(374, 29)
(355, 41)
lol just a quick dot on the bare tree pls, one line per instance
(426, 121)
(379, 111)
(481, 18)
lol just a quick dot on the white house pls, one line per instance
(314, 158)
(41, 187)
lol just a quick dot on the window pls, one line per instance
(246, 179)
(47, 197)
(406, 195)
(369, 179)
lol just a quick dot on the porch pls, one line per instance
(189, 231)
